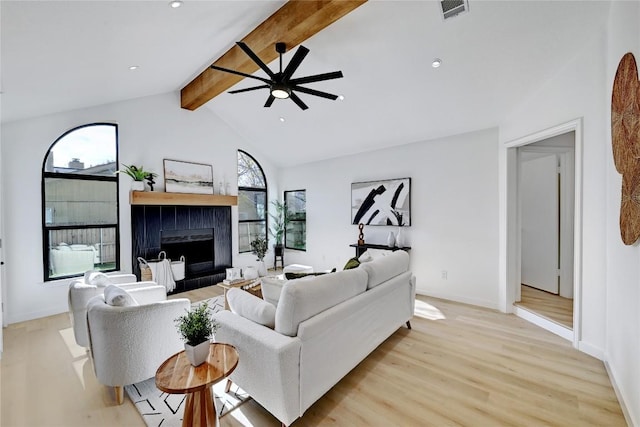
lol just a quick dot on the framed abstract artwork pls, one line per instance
(386, 202)
(187, 177)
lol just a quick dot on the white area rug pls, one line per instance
(160, 409)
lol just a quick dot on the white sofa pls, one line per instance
(129, 342)
(93, 284)
(324, 326)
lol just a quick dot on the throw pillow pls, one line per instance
(293, 276)
(251, 307)
(365, 257)
(118, 297)
(271, 289)
(352, 263)
(98, 279)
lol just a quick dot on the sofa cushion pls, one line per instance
(384, 268)
(303, 298)
(251, 307)
(118, 297)
(271, 288)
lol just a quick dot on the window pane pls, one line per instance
(247, 232)
(74, 251)
(251, 205)
(249, 172)
(89, 150)
(80, 202)
(296, 203)
(296, 235)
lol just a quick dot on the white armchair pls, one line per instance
(82, 290)
(129, 343)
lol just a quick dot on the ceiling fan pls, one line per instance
(281, 85)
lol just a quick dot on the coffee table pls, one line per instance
(177, 376)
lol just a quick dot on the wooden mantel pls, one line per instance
(180, 199)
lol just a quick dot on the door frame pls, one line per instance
(510, 235)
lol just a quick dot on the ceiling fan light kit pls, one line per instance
(281, 85)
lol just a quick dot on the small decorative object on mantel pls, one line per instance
(361, 235)
(391, 240)
(400, 238)
(625, 138)
(139, 175)
(187, 177)
(196, 328)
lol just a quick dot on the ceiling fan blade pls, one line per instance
(298, 101)
(226, 70)
(270, 100)
(315, 92)
(294, 63)
(317, 78)
(249, 88)
(255, 59)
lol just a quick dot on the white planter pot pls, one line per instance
(262, 269)
(137, 186)
(198, 354)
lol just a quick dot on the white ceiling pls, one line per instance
(62, 55)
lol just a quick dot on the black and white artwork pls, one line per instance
(187, 177)
(385, 202)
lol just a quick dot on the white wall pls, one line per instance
(454, 210)
(578, 90)
(150, 130)
(623, 262)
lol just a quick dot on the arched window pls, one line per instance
(252, 201)
(80, 202)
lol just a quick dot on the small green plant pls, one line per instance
(259, 247)
(137, 172)
(197, 325)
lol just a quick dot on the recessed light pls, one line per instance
(436, 62)
(175, 3)
(341, 97)
(282, 119)
(133, 67)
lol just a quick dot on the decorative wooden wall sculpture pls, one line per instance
(625, 137)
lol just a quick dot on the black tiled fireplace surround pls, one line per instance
(148, 222)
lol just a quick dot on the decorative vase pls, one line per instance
(391, 240)
(197, 354)
(250, 273)
(137, 185)
(262, 268)
(400, 238)
(221, 189)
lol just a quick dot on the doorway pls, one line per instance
(542, 274)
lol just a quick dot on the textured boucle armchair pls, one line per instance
(129, 343)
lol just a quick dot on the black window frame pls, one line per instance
(291, 220)
(264, 221)
(73, 176)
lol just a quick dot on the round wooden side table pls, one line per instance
(177, 376)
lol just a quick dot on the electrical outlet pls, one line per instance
(444, 274)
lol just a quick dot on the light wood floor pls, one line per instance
(550, 306)
(459, 365)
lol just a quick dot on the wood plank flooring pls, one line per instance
(459, 366)
(550, 306)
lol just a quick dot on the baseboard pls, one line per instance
(625, 410)
(23, 317)
(544, 323)
(591, 350)
(457, 298)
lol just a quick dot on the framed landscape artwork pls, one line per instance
(187, 177)
(386, 202)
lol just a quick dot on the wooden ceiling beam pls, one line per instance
(292, 24)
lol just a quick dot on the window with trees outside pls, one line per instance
(295, 236)
(80, 202)
(252, 201)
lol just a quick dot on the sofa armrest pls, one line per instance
(269, 364)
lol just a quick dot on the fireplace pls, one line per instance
(197, 247)
(201, 233)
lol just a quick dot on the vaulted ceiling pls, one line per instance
(62, 55)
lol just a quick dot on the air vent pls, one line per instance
(451, 8)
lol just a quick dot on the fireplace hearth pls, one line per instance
(202, 234)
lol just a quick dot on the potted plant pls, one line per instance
(259, 249)
(279, 227)
(196, 328)
(139, 175)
